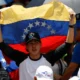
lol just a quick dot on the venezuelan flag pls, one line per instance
(51, 21)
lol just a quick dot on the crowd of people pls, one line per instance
(49, 66)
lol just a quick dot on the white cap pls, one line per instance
(44, 73)
(74, 78)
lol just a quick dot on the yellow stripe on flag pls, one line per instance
(52, 11)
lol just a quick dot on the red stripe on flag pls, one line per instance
(48, 43)
(52, 42)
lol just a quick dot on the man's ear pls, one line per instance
(35, 78)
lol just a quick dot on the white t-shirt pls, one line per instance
(28, 68)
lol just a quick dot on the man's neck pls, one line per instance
(35, 57)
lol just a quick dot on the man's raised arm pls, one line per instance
(70, 35)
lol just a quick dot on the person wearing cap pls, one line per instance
(28, 63)
(44, 73)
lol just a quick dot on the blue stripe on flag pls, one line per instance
(15, 32)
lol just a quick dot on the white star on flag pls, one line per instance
(49, 27)
(30, 25)
(52, 31)
(26, 30)
(37, 23)
(23, 36)
(43, 24)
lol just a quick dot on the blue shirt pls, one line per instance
(76, 54)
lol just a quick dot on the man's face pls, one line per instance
(34, 47)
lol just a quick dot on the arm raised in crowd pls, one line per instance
(70, 35)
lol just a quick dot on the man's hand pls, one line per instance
(70, 35)
(72, 19)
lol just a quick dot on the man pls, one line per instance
(44, 73)
(28, 63)
(75, 62)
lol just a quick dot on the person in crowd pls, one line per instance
(73, 64)
(44, 73)
(75, 61)
(28, 63)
